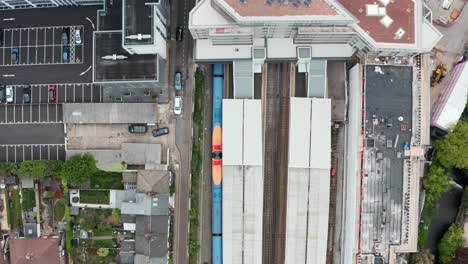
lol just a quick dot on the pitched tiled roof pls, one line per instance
(34, 250)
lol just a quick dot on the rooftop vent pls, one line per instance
(400, 33)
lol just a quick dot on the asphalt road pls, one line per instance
(47, 20)
(15, 134)
(180, 59)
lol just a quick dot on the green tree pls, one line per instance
(422, 257)
(103, 226)
(8, 168)
(450, 242)
(35, 169)
(54, 168)
(435, 183)
(79, 168)
(452, 151)
(102, 252)
(116, 215)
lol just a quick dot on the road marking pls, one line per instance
(7, 154)
(53, 45)
(48, 152)
(28, 48)
(37, 37)
(74, 92)
(45, 42)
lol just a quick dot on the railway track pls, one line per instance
(269, 162)
(333, 196)
(282, 161)
(276, 136)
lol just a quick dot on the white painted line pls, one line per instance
(82, 93)
(56, 112)
(53, 46)
(7, 154)
(37, 32)
(48, 152)
(74, 92)
(45, 42)
(28, 47)
(15, 152)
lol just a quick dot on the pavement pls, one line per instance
(449, 49)
(180, 59)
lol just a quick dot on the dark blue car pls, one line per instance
(15, 55)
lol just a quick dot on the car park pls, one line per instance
(179, 34)
(15, 55)
(65, 34)
(178, 81)
(2, 93)
(52, 93)
(77, 36)
(27, 94)
(66, 53)
(10, 94)
(177, 105)
(160, 131)
(137, 128)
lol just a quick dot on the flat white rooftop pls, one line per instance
(308, 180)
(242, 181)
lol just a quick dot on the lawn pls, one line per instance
(104, 243)
(15, 210)
(59, 210)
(29, 199)
(94, 196)
(107, 180)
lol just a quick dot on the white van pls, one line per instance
(177, 105)
(9, 94)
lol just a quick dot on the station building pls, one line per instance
(14, 4)
(250, 34)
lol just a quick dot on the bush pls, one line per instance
(102, 252)
(59, 210)
(436, 183)
(48, 194)
(79, 168)
(37, 169)
(451, 241)
(422, 257)
(8, 168)
(116, 215)
(198, 107)
(94, 196)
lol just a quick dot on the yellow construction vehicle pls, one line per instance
(438, 74)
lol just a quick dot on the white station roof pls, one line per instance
(308, 180)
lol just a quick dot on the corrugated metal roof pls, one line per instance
(317, 78)
(296, 216)
(232, 132)
(308, 180)
(253, 214)
(320, 139)
(233, 192)
(452, 101)
(319, 195)
(299, 132)
(252, 132)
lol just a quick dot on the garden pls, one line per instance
(94, 196)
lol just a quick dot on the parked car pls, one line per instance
(77, 36)
(15, 55)
(10, 94)
(160, 131)
(178, 81)
(66, 53)
(137, 128)
(179, 33)
(2, 93)
(177, 105)
(65, 34)
(27, 94)
(52, 93)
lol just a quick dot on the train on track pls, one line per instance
(217, 164)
